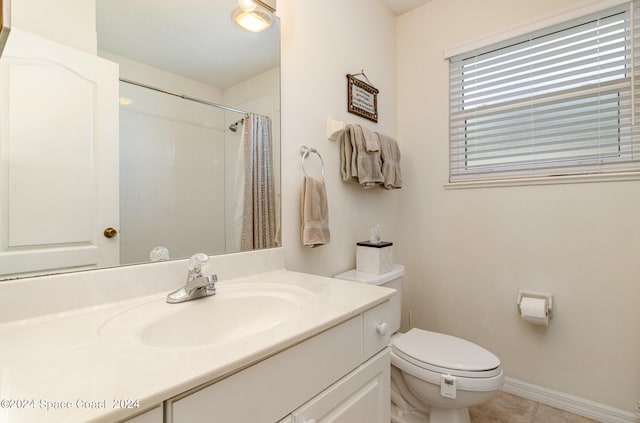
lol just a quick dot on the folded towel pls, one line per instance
(346, 154)
(365, 167)
(369, 168)
(371, 142)
(314, 213)
(390, 154)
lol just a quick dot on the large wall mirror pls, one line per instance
(141, 156)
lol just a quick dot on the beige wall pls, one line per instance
(468, 252)
(321, 43)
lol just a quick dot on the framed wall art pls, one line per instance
(362, 97)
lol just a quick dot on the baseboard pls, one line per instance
(593, 410)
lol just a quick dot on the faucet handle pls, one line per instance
(196, 263)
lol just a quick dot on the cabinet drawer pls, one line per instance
(270, 389)
(362, 396)
(376, 329)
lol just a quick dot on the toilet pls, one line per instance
(434, 377)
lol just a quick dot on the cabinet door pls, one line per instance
(154, 415)
(362, 396)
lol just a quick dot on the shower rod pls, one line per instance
(184, 96)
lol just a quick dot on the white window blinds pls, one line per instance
(557, 101)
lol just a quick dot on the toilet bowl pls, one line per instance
(434, 377)
(444, 374)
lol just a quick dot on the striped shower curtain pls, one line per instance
(259, 212)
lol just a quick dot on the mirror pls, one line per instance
(175, 169)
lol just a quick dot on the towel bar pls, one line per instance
(304, 153)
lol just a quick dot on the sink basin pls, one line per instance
(236, 311)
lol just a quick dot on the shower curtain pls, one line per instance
(259, 216)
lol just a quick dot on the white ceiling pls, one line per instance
(193, 38)
(398, 7)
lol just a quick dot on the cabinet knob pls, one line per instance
(110, 233)
(382, 328)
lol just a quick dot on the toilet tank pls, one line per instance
(390, 279)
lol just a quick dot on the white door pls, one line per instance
(58, 157)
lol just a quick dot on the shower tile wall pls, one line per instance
(171, 176)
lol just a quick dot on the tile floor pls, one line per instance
(508, 408)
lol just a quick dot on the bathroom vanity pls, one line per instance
(271, 346)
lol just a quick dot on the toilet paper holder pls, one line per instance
(540, 295)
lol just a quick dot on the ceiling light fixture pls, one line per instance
(247, 5)
(251, 18)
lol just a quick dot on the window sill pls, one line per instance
(546, 180)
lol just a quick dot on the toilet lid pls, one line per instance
(453, 355)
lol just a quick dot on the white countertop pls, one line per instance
(61, 361)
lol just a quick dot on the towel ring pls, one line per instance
(304, 153)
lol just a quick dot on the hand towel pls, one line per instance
(314, 213)
(366, 166)
(390, 154)
(371, 142)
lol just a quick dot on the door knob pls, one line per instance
(110, 233)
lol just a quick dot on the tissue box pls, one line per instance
(374, 258)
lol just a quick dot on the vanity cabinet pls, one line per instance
(154, 415)
(330, 377)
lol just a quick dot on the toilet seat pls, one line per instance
(429, 355)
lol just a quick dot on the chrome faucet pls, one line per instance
(197, 285)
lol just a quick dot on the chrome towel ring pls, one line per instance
(304, 153)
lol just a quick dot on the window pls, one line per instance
(554, 102)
